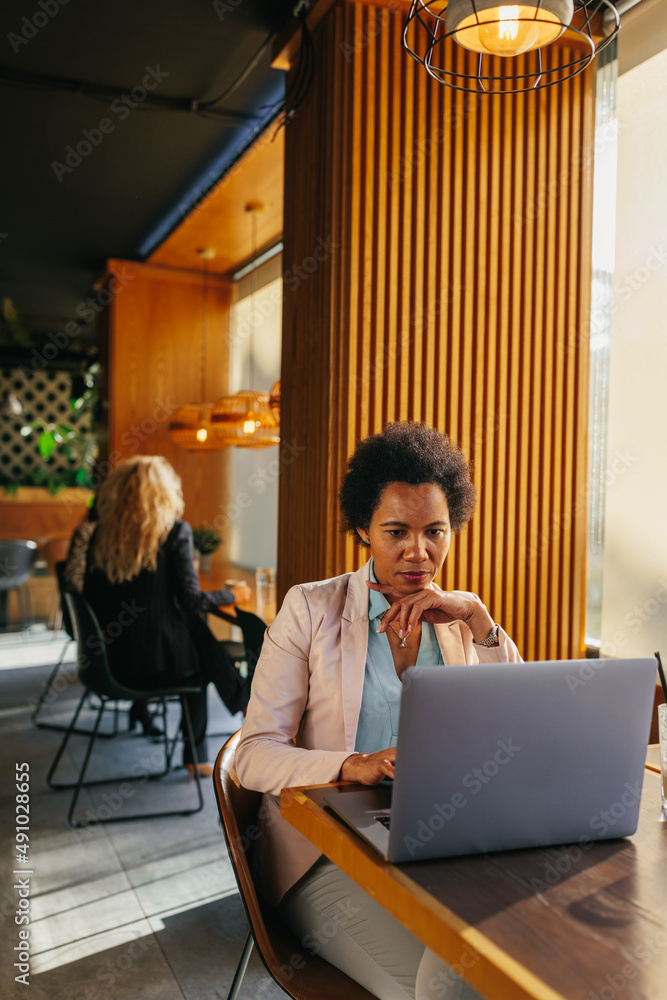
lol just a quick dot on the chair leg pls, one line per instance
(191, 737)
(61, 748)
(79, 784)
(169, 743)
(24, 603)
(28, 604)
(20, 604)
(241, 967)
(47, 687)
(60, 727)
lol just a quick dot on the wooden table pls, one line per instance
(561, 923)
(653, 758)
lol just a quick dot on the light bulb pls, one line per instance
(202, 434)
(508, 36)
(507, 29)
(249, 426)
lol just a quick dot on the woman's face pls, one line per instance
(409, 535)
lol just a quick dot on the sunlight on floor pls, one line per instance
(37, 647)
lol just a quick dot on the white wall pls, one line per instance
(253, 510)
(634, 603)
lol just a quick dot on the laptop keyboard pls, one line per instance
(384, 820)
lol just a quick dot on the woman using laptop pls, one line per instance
(326, 693)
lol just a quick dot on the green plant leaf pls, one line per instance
(46, 444)
(206, 540)
(55, 486)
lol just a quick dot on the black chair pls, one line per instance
(94, 674)
(309, 978)
(17, 560)
(45, 693)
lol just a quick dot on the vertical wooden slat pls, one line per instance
(394, 334)
(584, 91)
(521, 307)
(562, 415)
(464, 231)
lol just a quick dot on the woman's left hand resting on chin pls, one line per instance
(435, 606)
(369, 768)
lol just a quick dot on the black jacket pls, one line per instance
(148, 621)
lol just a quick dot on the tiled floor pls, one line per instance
(122, 911)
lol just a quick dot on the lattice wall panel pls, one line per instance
(44, 395)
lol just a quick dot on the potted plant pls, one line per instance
(206, 541)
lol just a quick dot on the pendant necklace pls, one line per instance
(402, 642)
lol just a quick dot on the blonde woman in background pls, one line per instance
(141, 583)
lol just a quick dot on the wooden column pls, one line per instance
(437, 268)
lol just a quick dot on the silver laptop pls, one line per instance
(509, 755)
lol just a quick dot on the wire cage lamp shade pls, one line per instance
(190, 428)
(245, 419)
(494, 32)
(274, 400)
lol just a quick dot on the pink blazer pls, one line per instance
(304, 707)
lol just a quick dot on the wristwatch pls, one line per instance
(491, 639)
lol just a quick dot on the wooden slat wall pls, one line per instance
(456, 292)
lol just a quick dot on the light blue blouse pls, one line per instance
(381, 699)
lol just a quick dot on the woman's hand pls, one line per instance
(369, 768)
(242, 593)
(435, 606)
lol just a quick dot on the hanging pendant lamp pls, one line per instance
(247, 419)
(274, 400)
(190, 426)
(490, 28)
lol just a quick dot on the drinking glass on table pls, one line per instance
(265, 585)
(662, 725)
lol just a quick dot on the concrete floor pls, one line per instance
(122, 911)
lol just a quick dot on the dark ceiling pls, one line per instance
(86, 174)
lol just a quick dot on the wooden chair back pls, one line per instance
(299, 973)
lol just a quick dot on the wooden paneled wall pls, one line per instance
(438, 248)
(155, 364)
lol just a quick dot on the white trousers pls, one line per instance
(334, 918)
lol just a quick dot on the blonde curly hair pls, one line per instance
(137, 506)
